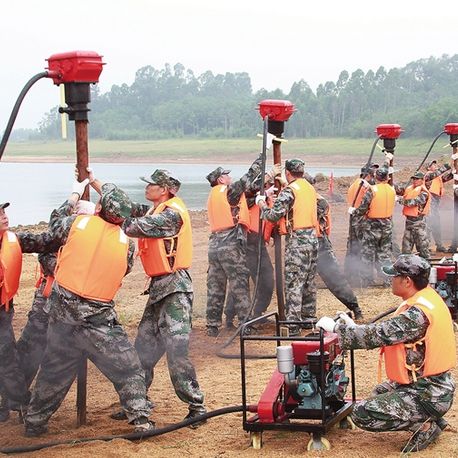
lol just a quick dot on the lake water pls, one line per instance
(35, 189)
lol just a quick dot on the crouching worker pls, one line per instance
(82, 321)
(419, 349)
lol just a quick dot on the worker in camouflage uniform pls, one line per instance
(376, 241)
(418, 345)
(229, 221)
(82, 320)
(296, 210)
(265, 277)
(14, 393)
(165, 249)
(357, 224)
(416, 202)
(327, 266)
(31, 344)
(435, 177)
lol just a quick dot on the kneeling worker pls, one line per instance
(419, 349)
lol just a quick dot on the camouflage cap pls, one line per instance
(162, 177)
(418, 176)
(4, 205)
(213, 176)
(382, 173)
(116, 204)
(295, 165)
(410, 265)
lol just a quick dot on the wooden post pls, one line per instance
(279, 282)
(82, 162)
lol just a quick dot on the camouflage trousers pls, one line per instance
(394, 407)
(265, 280)
(329, 271)
(300, 270)
(376, 248)
(227, 269)
(32, 342)
(434, 220)
(165, 328)
(13, 387)
(416, 234)
(108, 347)
(352, 264)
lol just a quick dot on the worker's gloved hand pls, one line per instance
(269, 139)
(365, 183)
(389, 156)
(351, 210)
(274, 171)
(260, 198)
(345, 319)
(270, 191)
(78, 187)
(326, 323)
(454, 156)
(91, 177)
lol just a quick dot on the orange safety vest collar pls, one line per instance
(93, 262)
(439, 337)
(11, 267)
(153, 252)
(219, 211)
(304, 208)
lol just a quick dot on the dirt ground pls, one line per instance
(219, 378)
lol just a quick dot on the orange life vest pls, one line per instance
(93, 262)
(153, 252)
(304, 208)
(351, 194)
(382, 204)
(11, 266)
(439, 341)
(326, 223)
(219, 211)
(267, 226)
(412, 193)
(437, 186)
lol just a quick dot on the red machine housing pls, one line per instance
(451, 128)
(75, 67)
(276, 110)
(391, 131)
(269, 409)
(443, 270)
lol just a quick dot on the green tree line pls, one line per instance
(174, 102)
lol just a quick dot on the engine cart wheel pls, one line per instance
(347, 423)
(256, 439)
(318, 442)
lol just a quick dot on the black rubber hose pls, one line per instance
(130, 436)
(17, 105)
(430, 148)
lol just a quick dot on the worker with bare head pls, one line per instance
(419, 349)
(96, 255)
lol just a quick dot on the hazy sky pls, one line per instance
(276, 42)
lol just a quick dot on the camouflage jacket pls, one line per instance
(250, 182)
(408, 327)
(69, 307)
(282, 206)
(164, 224)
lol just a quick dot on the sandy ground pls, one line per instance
(219, 379)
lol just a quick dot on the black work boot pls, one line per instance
(196, 414)
(357, 313)
(422, 439)
(119, 415)
(35, 430)
(212, 331)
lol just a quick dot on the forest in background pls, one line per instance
(173, 102)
